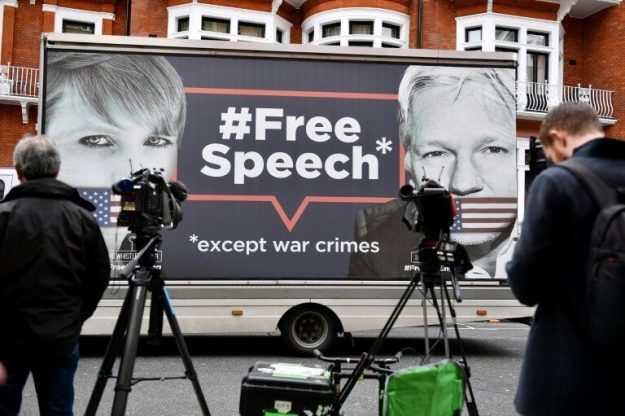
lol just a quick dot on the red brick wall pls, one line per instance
(604, 46)
(149, 18)
(12, 130)
(574, 73)
(439, 24)
(312, 7)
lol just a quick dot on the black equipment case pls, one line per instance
(286, 389)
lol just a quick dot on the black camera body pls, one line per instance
(430, 210)
(148, 202)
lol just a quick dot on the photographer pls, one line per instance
(55, 268)
(548, 269)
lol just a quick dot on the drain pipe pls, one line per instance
(128, 7)
(420, 18)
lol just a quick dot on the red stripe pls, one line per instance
(292, 93)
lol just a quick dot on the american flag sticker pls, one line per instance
(483, 215)
(108, 205)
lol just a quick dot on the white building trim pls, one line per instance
(489, 21)
(195, 12)
(64, 13)
(316, 22)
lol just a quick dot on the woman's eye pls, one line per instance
(157, 141)
(495, 150)
(97, 140)
(435, 153)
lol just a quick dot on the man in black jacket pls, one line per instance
(54, 268)
(559, 374)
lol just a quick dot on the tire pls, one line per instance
(307, 329)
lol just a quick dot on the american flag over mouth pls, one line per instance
(483, 215)
(108, 205)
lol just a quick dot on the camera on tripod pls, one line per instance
(148, 202)
(430, 210)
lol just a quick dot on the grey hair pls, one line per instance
(146, 87)
(498, 91)
(36, 157)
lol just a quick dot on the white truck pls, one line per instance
(281, 147)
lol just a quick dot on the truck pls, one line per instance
(283, 148)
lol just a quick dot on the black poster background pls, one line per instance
(208, 222)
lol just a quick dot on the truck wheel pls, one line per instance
(305, 330)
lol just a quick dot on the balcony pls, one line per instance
(19, 86)
(535, 99)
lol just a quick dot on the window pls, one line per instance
(71, 26)
(390, 31)
(360, 43)
(255, 30)
(361, 28)
(352, 26)
(537, 67)
(78, 21)
(333, 29)
(537, 38)
(211, 24)
(183, 24)
(499, 49)
(473, 34)
(198, 20)
(506, 34)
(473, 49)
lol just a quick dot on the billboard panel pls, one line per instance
(293, 165)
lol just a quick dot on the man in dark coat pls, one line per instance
(54, 270)
(558, 375)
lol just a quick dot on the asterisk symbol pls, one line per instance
(384, 145)
(193, 238)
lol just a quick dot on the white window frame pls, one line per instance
(488, 22)
(195, 12)
(64, 13)
(316, 22)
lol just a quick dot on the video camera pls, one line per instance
(148, 203)
(431, 210)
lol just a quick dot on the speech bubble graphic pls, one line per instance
(291, 148)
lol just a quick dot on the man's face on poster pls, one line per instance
(465, 142)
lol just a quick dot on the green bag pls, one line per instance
(430, 390)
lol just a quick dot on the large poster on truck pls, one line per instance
(293, 165)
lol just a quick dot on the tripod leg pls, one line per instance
(470, 401)
(184, 352)
(126, 366)
(113, 348)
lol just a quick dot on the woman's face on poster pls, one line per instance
(96, 153)
(465, 142)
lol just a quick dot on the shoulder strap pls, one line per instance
(603, 193)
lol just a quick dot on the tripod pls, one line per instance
(429, 282)
(141, 279)
(368, 358)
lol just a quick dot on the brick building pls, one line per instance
(568, 50)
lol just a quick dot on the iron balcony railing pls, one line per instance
(534, 97)
(19, 81)
(540, 97)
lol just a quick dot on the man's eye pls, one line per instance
(157, 141)
(435, 153)
(97, 140)
(494, 150)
